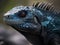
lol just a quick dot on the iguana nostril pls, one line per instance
(8, 16)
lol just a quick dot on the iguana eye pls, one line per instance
(22, 13)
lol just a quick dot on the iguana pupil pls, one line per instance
(22, 13)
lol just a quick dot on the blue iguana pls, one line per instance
(39, 23)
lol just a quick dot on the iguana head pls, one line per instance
(27, 18)
(23, 18)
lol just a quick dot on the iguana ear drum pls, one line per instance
(37, 20)
(22, 13)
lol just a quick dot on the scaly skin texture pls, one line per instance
(37, 23)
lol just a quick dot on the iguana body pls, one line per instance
(37, 23)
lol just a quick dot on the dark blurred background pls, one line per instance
(6, 5)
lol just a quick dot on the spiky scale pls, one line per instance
(45, 6)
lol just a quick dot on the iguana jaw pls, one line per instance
(26, 27)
